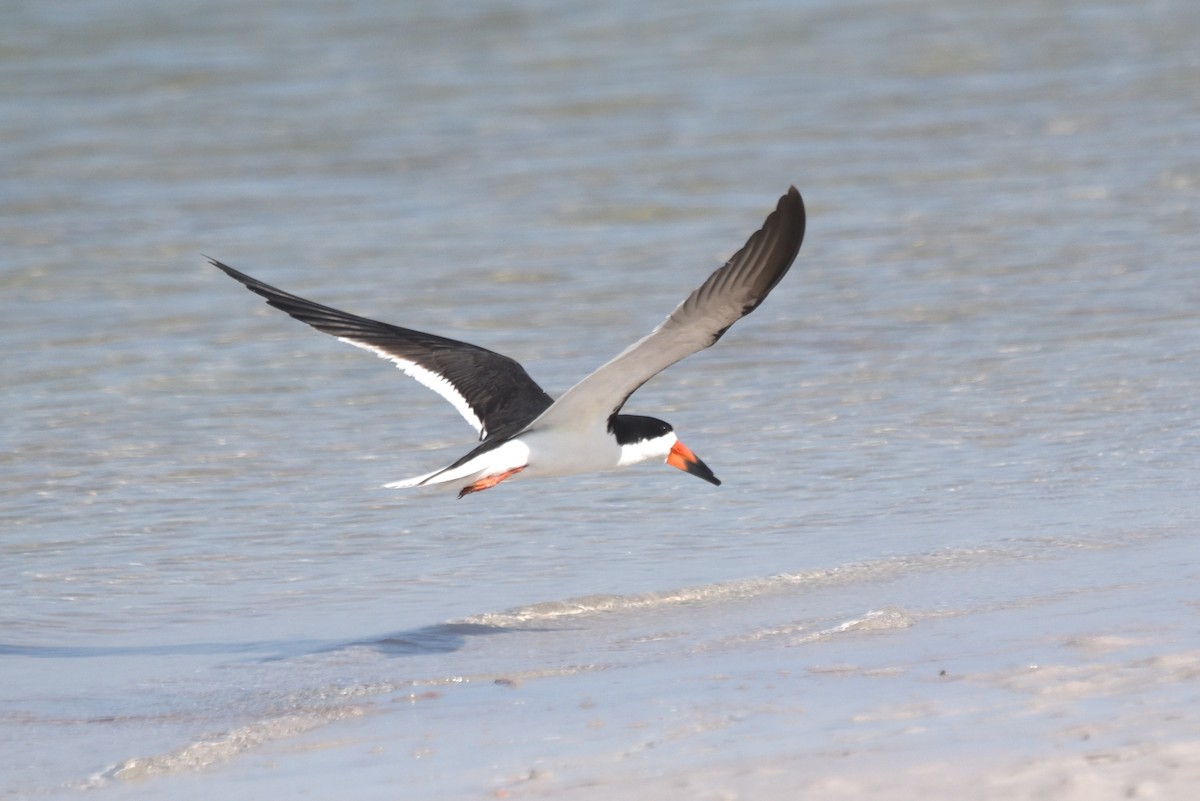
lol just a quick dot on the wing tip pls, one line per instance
(240, 277)
(792, 205)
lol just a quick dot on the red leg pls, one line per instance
(487, 482)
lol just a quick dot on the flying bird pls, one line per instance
(522, 430)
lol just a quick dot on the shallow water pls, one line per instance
(960, 436)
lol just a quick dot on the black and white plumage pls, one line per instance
(521, 428)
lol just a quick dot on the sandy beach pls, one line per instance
(1135, 748)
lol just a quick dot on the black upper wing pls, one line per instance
(492, 391)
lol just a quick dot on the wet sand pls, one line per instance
(1111, 728)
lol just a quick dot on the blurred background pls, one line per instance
(978, 380)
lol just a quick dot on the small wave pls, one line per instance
(226, 746)
(804, 632)
(749, 588)
(220, 748)
(888, 619)
(440, 638)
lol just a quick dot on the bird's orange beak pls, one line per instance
(682, 457)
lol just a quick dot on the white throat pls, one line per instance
(656, 448)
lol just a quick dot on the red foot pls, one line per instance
(487, 482)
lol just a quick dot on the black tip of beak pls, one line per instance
(700, 470)
(682, 457)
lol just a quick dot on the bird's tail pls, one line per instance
(453, 473)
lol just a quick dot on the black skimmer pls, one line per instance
(522, 430)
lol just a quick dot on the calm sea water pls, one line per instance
(962, 432)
